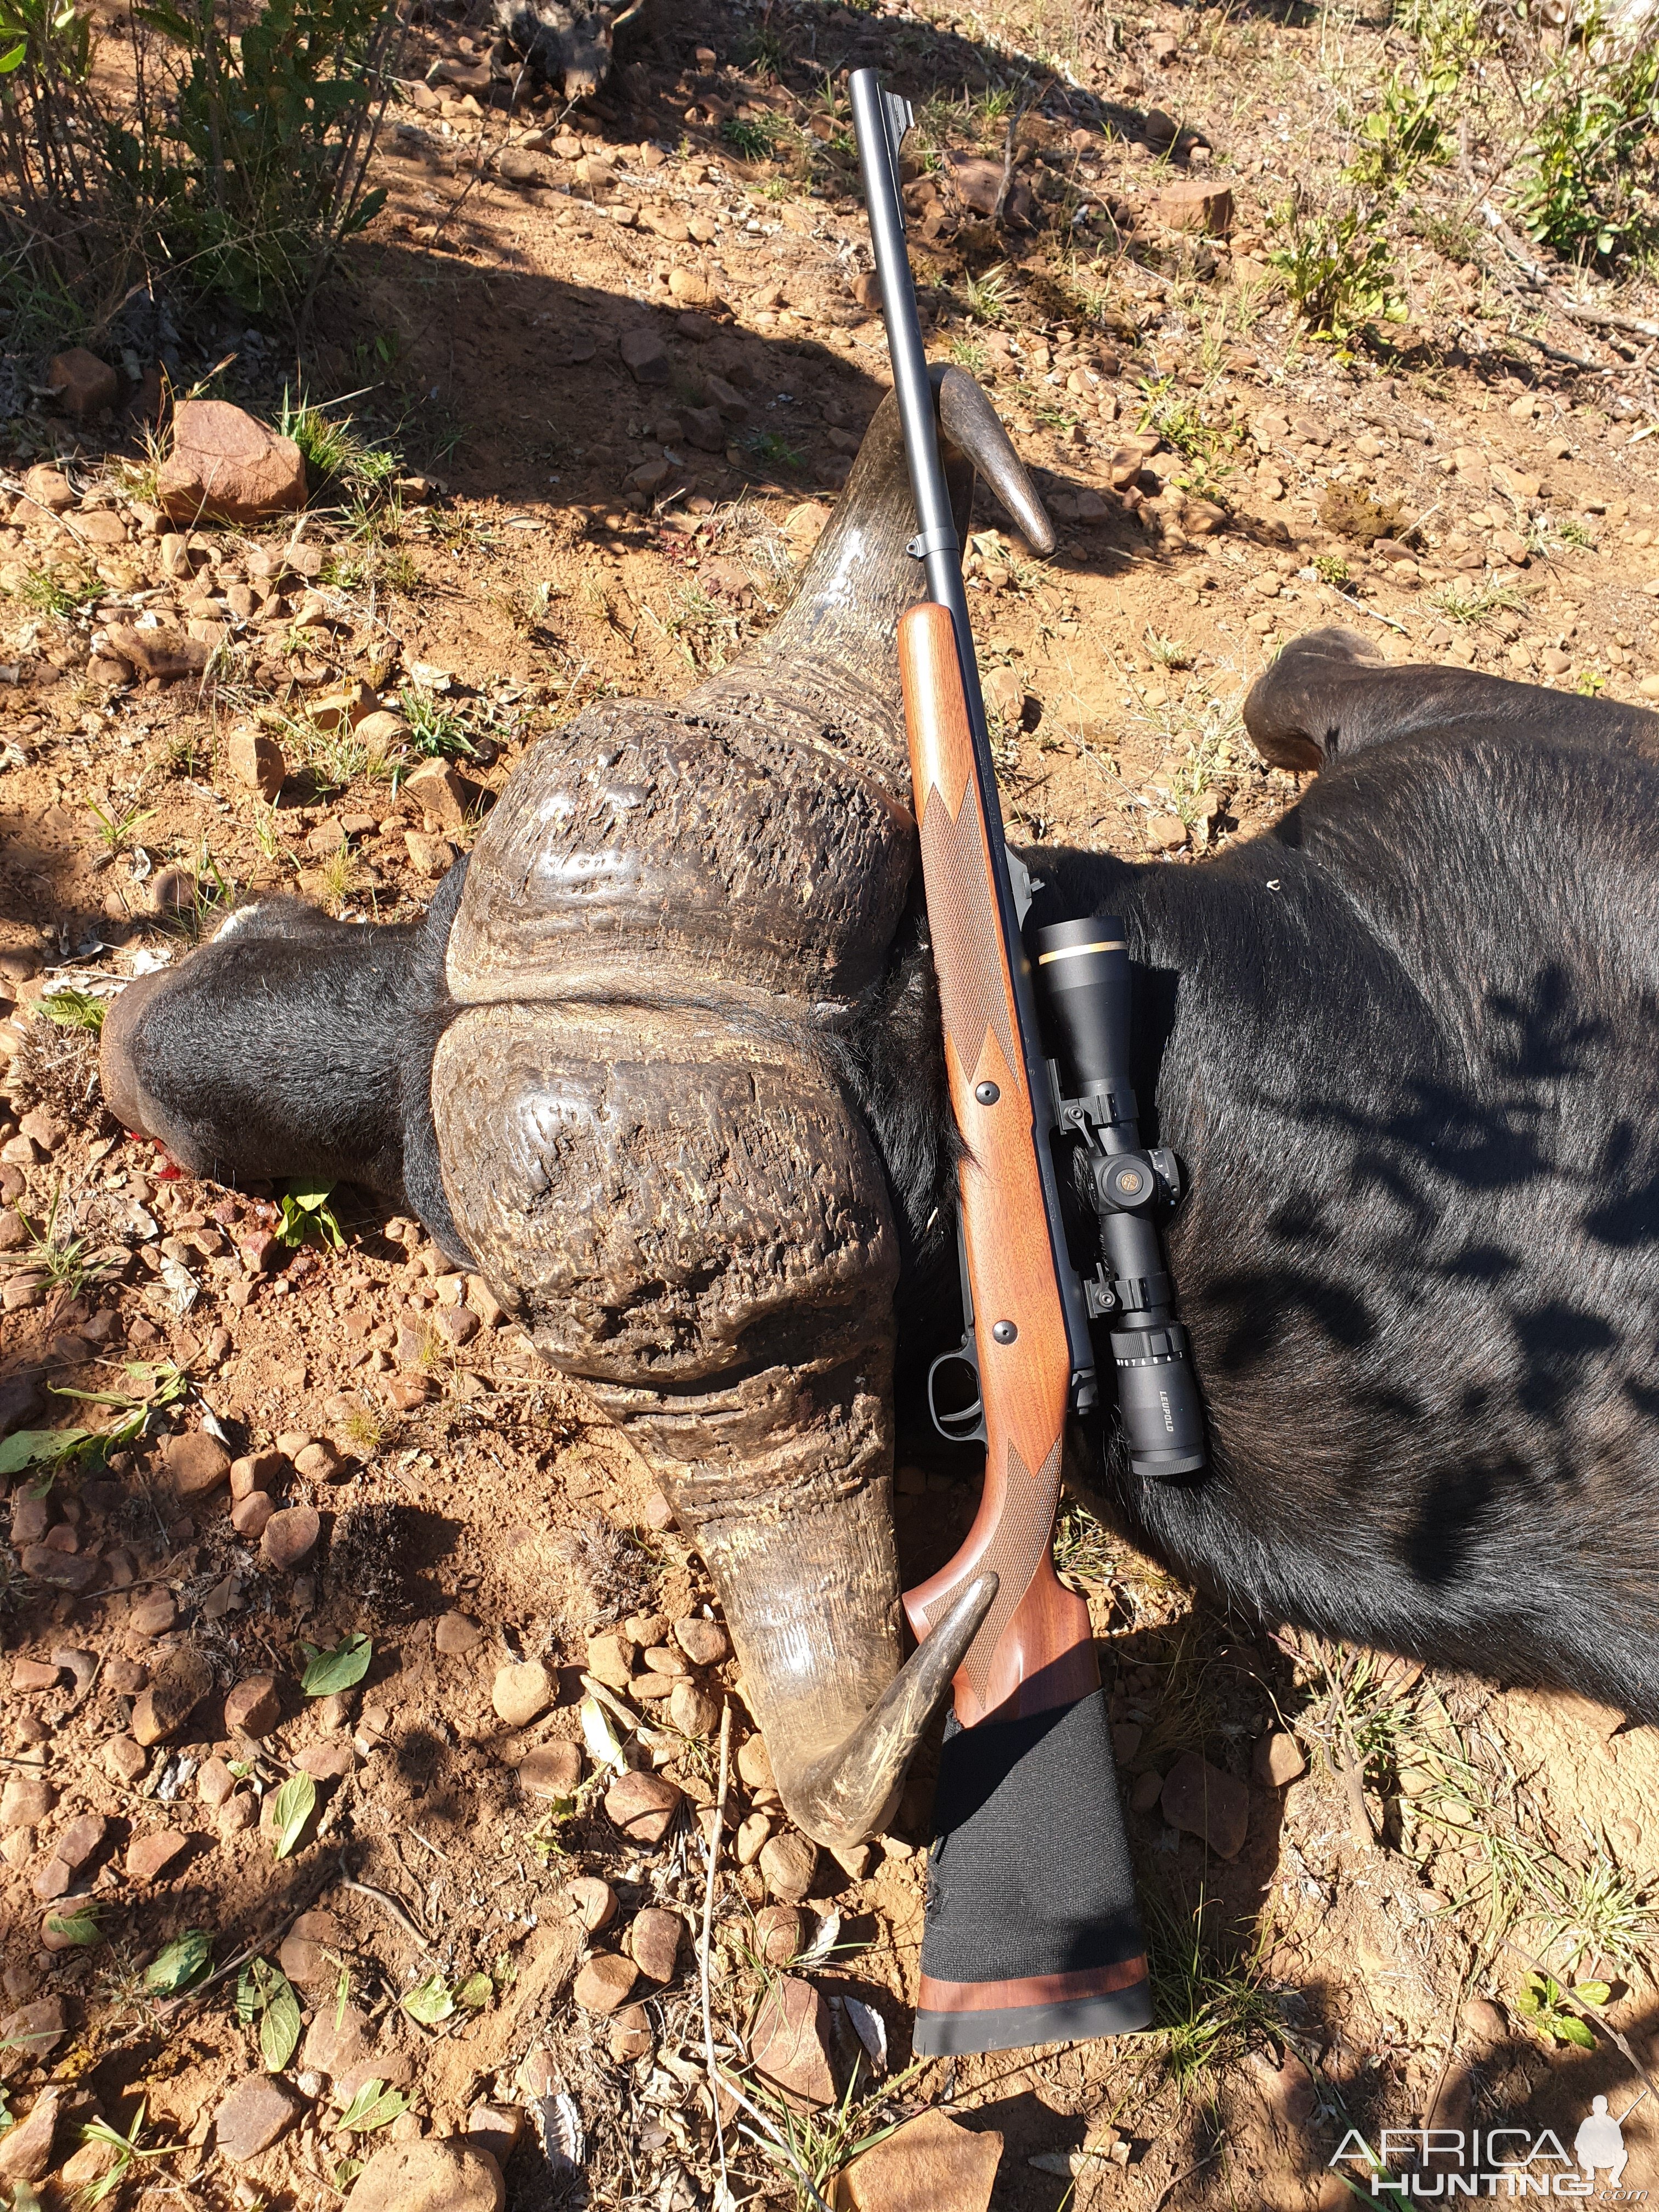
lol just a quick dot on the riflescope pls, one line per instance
(1084, 989)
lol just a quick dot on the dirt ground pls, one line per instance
(1480, 488)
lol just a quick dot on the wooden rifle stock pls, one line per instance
(1036, 1648)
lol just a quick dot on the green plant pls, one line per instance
(1540, 2001)
(178, 1964)
(127, 2151)
(341, 1668)
(752, 137)
(337, 456)
(1209, 2002)
(435, 732)
(1590, 180)
(1336, 267)
(375, 2105)
(75, 1010)
(767, 54)
(1331, 567)
(1462, 606)
(265, 1993)
(1084, 1553)
(987, 298)
(1572, 531)
(118, 831)
(64, 1262)
(58, 591)
(306, 1217)
(270, 136)
(293, 1806)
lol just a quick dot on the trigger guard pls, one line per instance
(966, 1424)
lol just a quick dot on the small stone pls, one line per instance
(694, 1709)
(447, 2176)
(226, 465)
(123, 1759)
(854, 1859)
(237, 1813)
(251, 1516)
(551, 1771)
(337, 2039)
(778, 1933)
(162, 653)
(52, 1880)
(82, 384)
(154, 1615)
(259, 2110)
(1126, 1741)
(1196, 204)
(787, 1865)
(48, 487)
(289, 1536)
(1148, 1789)
(26, 2149)
(456, 1636)
(1483, 2022)
(1168, 831)
(1278, 1760)
(326, 1762)
(630, 2034)
(63, 1571)
(1202, 1800)
(930, 2161)
(644, 357)
(381, 730)
(320, 1463)
(519, 1693)
(215, 1783)
(605, 1982)
(654, 1940)
(149, 1857)
(29, 2035)
(642, 1806)
(196, 1464)
(254, 1707)
(182, 1680)
(693, 288)
(33, 1674)
(704, 1643)
(789, 2042)
(593, 1901)
(440, 791)
(753, 1834)
(80, 1839)
(458, 1325)
(610, 1660)
(754, 1767)
(496, 2129)
(254, 758)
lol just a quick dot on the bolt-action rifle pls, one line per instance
(1031, 1933)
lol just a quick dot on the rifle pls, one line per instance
(1031, 1934)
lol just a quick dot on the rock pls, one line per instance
(644, 356)
(593, 1901)
(693, 288)
(1513, 547)
(551, 1771)
(251, 1516)
(196, 1464)
(930, 2161)
(779, 1933)
(337, 2038)
(52, 1880)
(382, 729)
(29, 2035)
(451, 2176)
(326, 1762)
(149, 1857)
(788, 1864)
(642, 1806)
(215, 1783)
(605, 1982)
(1148, 1789)
(162, 653)
(694, 1709)
(440, 792)
(80, 1839)
(254, 757)
(456, 1636)
(154, 1615)
(789, 2042)
(259, 2110)
(428, 856)
(254, 1707)
(49, 489)
(26, 2149)
(320, 1463)
(82, 384)
(1483, 2022)
(1206, 1803)
(1168, 831)
(704, 1643)
(1004, 693)
(124, 1759)
(289, 1536)
(182, 1680)
(457, 1325)
(630, 2034)
(33, 1674)
(654, 1940)
(1196, 204)
(754, 1767)
(753, 1832)
(610, 1660)
(978, 181)
(226, 465)
(705, 429)
(1278, 1760)
(496, 2129)
(63, 1571)
(519, 1693)
(304, 1955)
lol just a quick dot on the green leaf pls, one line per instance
(279, 2031)
(79, 1927)
(346, 2173)
(475, 1992)
(341, 1668)
(13, 60)
(429, 2002)
(373, 2106)
(178, 1964)
(1592, 1993)
(41, 1448)
(296, 1801)
(1569, 2029)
